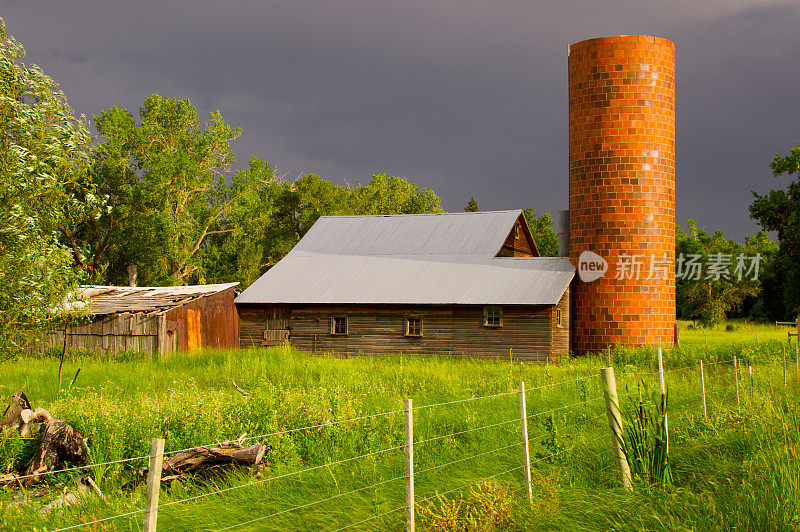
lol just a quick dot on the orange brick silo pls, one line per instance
(622, 190)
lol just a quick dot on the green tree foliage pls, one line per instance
(705, 295)
(43, 156)
(472, 205)
(165, 181)
(542, 231)
(779, 210)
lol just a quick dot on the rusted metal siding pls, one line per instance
(205, 323)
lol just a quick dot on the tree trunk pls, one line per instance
(61, 446)
(205, 460)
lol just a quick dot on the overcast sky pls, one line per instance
(467, 98)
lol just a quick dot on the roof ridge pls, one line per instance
(419, 214)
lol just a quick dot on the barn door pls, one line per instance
(277, 327)
(194, 340)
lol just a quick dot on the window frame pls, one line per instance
(408, 326)
(559, 318)
(346, 326)
(498, 315)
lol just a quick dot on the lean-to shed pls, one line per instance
(158, 320)
(466, 283)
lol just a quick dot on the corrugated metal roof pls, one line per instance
(411, 259)
(304, 277)
(104, 300)
(464, 233)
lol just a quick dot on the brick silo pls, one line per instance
(622, 190)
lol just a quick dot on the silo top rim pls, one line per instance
(643, 39)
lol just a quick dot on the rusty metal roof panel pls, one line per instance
(104, 300)
(326, 278)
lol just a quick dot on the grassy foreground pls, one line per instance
(734, 470)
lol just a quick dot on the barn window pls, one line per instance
(558, 318)
(339, 325)
(413, 326)
(493, 316)
(516, 230)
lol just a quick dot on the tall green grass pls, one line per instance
(732, 470)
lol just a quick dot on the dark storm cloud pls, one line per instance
(469, 98)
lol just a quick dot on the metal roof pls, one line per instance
(350, 279)
(463, 233)
(104, 300)
(411, 259)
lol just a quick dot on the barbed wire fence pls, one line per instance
(707, 389)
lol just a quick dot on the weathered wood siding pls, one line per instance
(518, 243)
(109, 334)
(372, 329)
(561, 335)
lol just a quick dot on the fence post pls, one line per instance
(663, 395)
(523, 412)
(736, 382)
(784, 366)
(615, 423)
(703, 390)
(750, 370)
(409, 411)
(153, 484)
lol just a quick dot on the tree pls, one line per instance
(165, 181)
(708, 287)
(43, 157)
(472, 205)
(779, 210)
(542, 231)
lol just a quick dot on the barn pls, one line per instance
(157, 320)
(451, 283)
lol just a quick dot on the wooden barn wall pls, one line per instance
(561, 335)
(109, 334)
(381, 329)
(207, 322)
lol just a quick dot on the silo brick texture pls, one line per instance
(622, 189)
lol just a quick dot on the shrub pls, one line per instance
(488, 507)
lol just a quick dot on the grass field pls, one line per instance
(734, 470)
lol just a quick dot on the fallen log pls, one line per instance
(206, 460)
(61, 446)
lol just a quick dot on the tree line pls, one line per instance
(157, 190)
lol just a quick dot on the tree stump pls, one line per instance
(61, 446)
(12, 416)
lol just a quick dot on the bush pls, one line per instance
(488, 507)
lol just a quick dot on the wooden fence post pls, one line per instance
(784, 366)
(663, 395)
(615, 423)
(736, 382)
(750, 370)
(703, 390)
(153, 484)
(523, 412)
(409, 411)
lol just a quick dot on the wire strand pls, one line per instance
(320, 501)
(77, 468)
(419, 442)
(351, 525)
(328, 464)
(100, 520)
